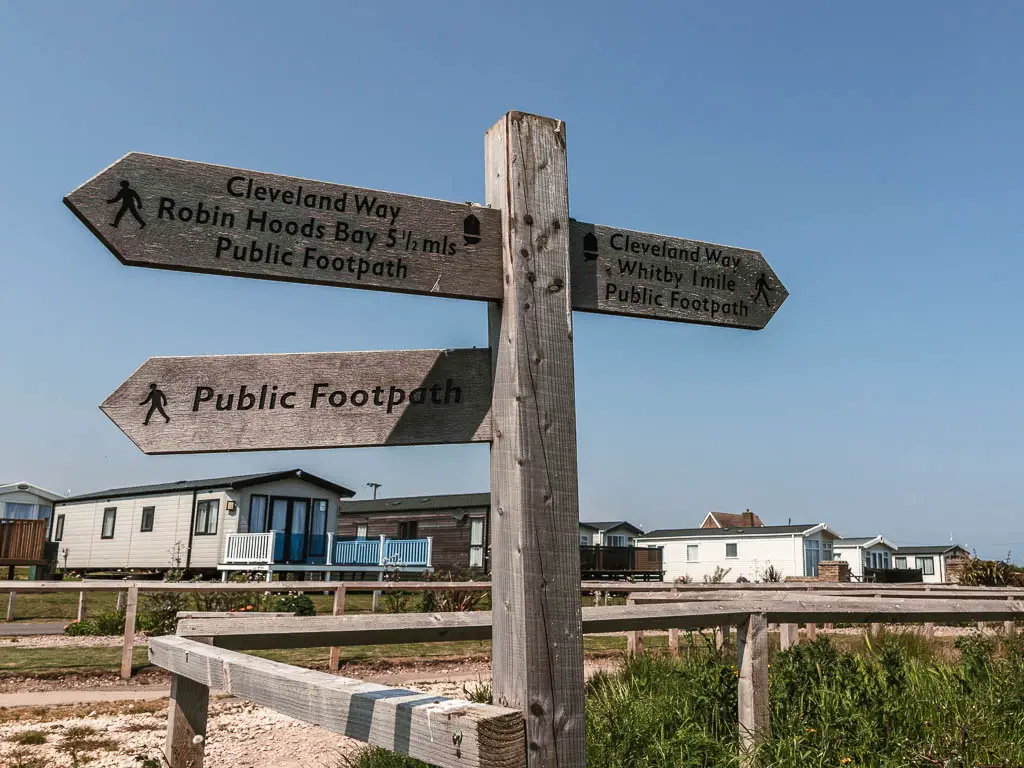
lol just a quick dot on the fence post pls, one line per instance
(722, 632)
(752, 660)
(812, 632)
(673, 642)
(83, 605)
(339, 610)
(129, 631)
(186, 723)
(634, 638)
(538, 632)
(11, 597)
(929, 630)
(120, 602)
(789, 635)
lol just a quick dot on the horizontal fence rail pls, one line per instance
(439, 731)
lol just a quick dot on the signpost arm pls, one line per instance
(538, 645)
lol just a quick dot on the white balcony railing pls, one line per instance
(256, 548)
(266, 549)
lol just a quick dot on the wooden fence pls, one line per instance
(699, 592)
(22, 542)
(314, 696)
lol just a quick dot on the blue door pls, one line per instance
(289, 517)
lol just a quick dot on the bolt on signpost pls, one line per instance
(524, 255)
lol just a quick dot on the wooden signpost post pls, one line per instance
(523, 254)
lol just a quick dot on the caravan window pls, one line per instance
(257, 513)
(476, 542)
(926, 565)
(58, 530)
(148, 513)
(109, 518)
(206, 517)
(318, 528)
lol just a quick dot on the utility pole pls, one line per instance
(375, 486)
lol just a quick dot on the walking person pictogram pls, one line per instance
(157, 400)
(762, 286)
(130, 203)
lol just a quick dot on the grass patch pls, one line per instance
(28, 738)
(24, 758)
(79, 740)
(893, 702)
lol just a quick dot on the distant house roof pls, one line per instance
(30, 488)
(937, 549)
(416, 503)
(607, 526)
(863, 541)
(747, 531)
(732, 520)
(234, 481)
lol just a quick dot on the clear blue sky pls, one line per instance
(872, 151)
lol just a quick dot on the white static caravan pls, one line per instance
(25, 501)
(269, 522)
(930, 560)
(696, 553)
(875, 552)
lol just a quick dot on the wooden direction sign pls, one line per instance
(621, 272)
(316, 400)
(175, 214)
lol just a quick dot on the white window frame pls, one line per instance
(735, 550)
(361, 530)
(696, 553)
(903, 559)
(476, 548)
(923, 560)
(58, 528)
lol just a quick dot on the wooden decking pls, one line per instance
(22, 542)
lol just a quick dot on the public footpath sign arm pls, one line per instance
(313, 400)
(621, 272)
(160, 212)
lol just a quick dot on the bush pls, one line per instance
(991, 573)
(29, 738)
(448, 600)
(106, 624)
(300, 605)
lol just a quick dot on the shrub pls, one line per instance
(718, 576)
(111, 623)
(300, 605)
(28, 738)
(448, 600)
(991, 573)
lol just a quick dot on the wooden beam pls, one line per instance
(673, 641)
(11, 597)
(339, 610)
(812, 632)
(752, 660)
(129, 631)
(538, 639)
(83, 605)
(383, 629)
(439, 731)
(185, 743)
(634, 638)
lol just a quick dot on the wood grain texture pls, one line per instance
(673, 641)
(199, 217)
(622, 272)
(129, 632)
(338, 610)
(442, 732)
(83, 605)
(11, 599)
(186, 720)
(314, 400)
(752, 660)
(538, 641)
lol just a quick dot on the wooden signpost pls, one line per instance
(524, 255)
(314, 400)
